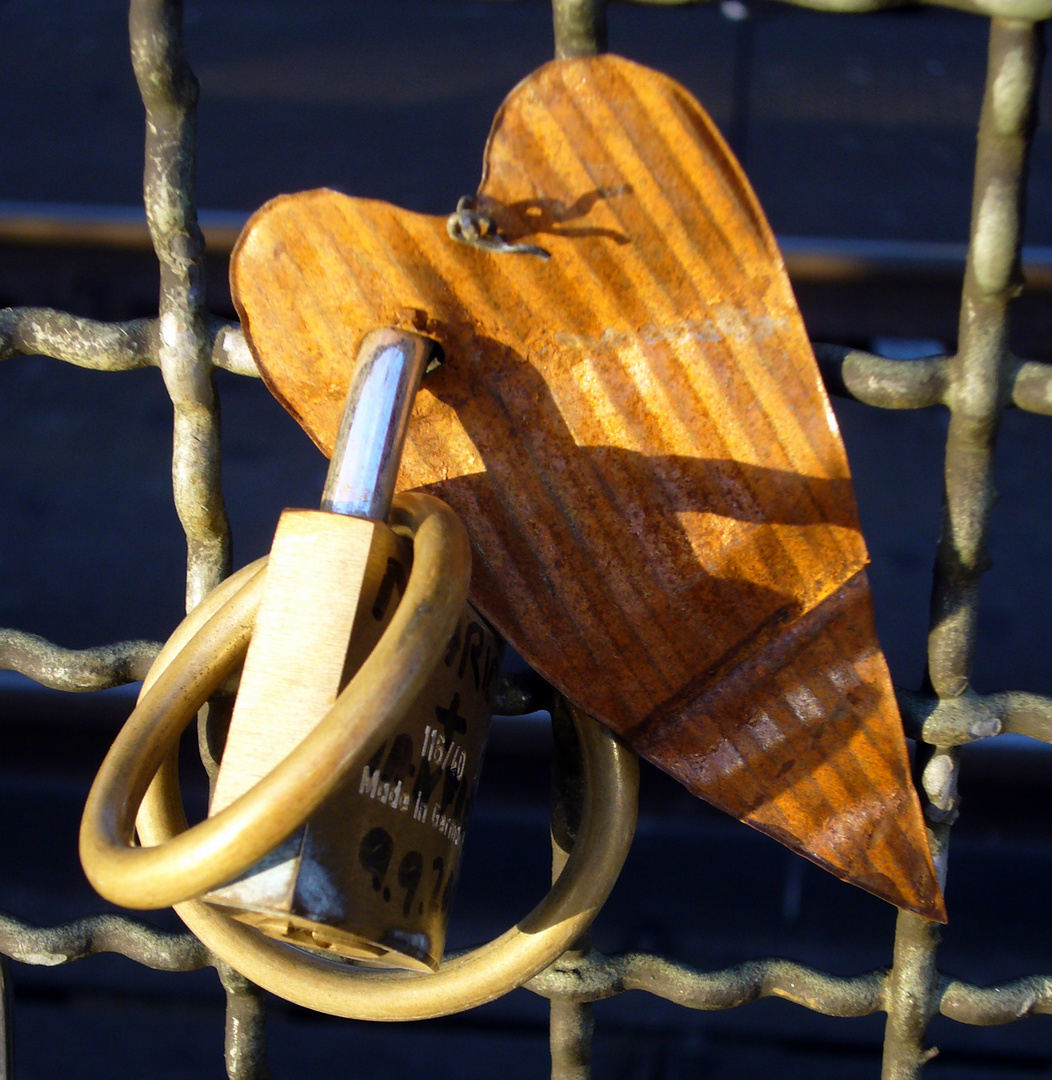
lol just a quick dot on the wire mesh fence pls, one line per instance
(975, 384)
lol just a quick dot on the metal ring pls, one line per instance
(611, 780)
(192, 666)
(611, 776)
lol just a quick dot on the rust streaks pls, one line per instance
(637, 439)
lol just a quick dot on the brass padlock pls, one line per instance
(371, 875)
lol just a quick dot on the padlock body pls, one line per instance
(318, 619)
(371, 875)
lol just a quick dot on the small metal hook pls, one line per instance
(468, 225)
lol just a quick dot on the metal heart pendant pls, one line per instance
(630, 422)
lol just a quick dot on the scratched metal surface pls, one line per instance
(977, 382)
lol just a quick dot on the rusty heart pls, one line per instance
(635, 434)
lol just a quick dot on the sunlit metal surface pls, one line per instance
(976, 384)
(363, 469)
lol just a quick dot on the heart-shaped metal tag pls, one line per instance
(636, 436)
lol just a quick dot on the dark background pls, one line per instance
(857, 133)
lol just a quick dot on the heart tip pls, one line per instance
(901, 874)
(916, 891)
(932, 907)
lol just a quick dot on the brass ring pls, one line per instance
(611, 776)
(611, 780)
(193, 665)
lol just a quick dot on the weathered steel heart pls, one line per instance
(636, 437)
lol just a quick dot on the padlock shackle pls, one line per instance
(368, 448)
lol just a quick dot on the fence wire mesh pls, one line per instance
(975, 384)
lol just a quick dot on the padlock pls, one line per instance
(371, 875)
